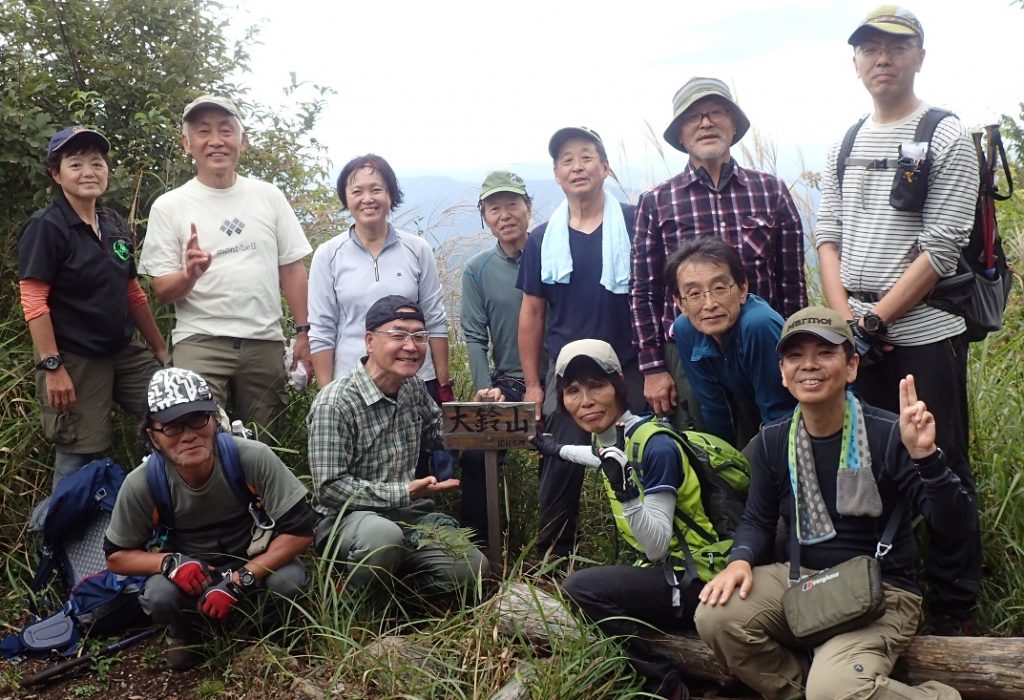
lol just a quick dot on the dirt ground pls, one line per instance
(139, 673)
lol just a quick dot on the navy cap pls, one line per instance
(76, 134)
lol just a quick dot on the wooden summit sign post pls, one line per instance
(489, 426)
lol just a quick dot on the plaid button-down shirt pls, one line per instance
(363, 445)
(750, 210)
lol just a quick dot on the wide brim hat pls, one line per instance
(697, 89)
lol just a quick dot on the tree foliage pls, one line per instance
(128, 69)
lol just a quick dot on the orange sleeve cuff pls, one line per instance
(34, 297)
(136, 295)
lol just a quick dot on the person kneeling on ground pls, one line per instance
(648, 480)
(366, 430)
(205, 561)
(831, 437)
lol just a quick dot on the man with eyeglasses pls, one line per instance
(726, 337)
(208, 564)
(713, 196)
(878, 264)
(366, 431)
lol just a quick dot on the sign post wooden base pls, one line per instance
(490, 427)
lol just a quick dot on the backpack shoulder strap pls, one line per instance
(247, 495)
(160, 490)
(845, 150)
(929, 120)
(227, 451)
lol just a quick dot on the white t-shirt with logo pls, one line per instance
(251, 230)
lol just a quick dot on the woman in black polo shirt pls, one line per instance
(83, 302)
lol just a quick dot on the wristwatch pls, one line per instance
(874, 324)
(301, 329)
(50, 362)
(246, 578)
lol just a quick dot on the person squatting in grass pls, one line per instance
(835, 470)
(82, 301)
(204, 569)
(726, 338)
(366, 431)
(647, 478)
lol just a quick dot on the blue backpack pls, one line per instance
(163, 515)
(74, 524)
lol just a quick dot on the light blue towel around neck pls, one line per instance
(556, 259)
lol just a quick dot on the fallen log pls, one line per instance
(981, 668)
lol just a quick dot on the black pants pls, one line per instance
(952, 567)
(561, 481)
(608, 595)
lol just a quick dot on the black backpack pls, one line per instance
(981, 285)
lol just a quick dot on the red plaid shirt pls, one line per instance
(750, 210)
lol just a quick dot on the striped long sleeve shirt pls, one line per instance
(750, 210)
(878, 243)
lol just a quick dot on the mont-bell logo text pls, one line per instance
(817, 581)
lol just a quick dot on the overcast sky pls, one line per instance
(461, 88)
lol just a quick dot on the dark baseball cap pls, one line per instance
(387, 309)
(572, 132)
(77, 134)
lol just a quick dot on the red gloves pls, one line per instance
(188, 574)
(217, 601)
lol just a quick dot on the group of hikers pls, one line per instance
(624, 325)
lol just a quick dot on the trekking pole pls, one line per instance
(65, 666)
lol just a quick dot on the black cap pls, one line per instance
(386, 309)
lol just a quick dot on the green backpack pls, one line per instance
(722, 470)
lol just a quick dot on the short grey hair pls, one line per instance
(238, 122)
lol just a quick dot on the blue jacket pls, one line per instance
(744, 370)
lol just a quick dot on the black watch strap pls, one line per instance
(246, 578)
(50, 363)
(301, 329)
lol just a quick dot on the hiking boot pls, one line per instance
(948, 626)
(182, 654)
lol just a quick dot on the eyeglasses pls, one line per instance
(718, 293)
(196, 421)
(716, 115)
(896, 51)
(397, 336)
